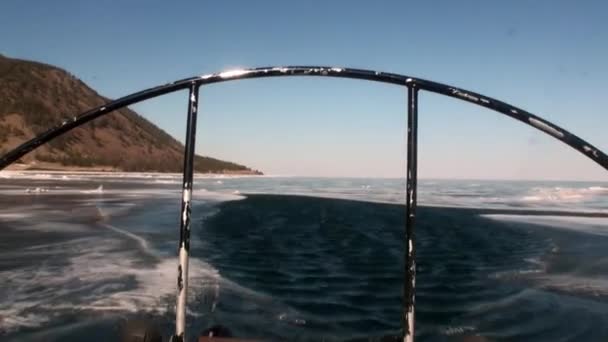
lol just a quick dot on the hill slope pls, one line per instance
(36, 96)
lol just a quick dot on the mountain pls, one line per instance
(36, 96)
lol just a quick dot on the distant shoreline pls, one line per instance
(51, 167)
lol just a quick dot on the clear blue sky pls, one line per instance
(548, 57)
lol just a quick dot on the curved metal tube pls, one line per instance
(517, 113)
(413, 85)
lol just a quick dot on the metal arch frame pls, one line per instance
(413, 85)
(516, 113)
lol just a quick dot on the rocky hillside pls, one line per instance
(36, 96)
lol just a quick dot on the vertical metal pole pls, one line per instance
(184, 232)
(409, 287)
